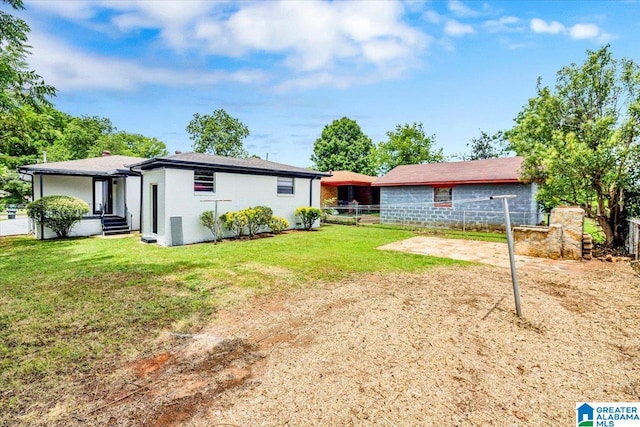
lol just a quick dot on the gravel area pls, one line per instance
(442, 347)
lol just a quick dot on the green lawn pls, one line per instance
(69, 306)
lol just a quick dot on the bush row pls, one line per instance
(249, 222)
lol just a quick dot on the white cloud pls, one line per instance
(584, 31)
(69, 69)
(315, 35)
(504, 24)
(79, 9)
(433, 17)
(456, 29)
(459, 9)
(540, 26)
(305, 37)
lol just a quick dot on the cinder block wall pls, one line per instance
(413, 205)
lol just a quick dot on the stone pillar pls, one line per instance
(572, 221)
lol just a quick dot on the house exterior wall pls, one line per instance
(176, 195)
(74, 186)
(150, 178)
(81, 187)
(133, 201)
(328, 192)
(413, 205)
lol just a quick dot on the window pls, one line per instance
(285, 185)
(442, 197)
(204, 182)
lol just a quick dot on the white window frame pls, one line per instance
(209, 186)
(283, 183)
(443, 197)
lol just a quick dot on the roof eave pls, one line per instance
(339, 183)
(447, 183)
(182, 164)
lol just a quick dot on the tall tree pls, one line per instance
(580, 138)
(128, 144)
(408, 144)
(218, 134)
(343, 146)
(487, 146)
(78, 136)
(18, 85)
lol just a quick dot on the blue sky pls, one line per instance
(288, 68)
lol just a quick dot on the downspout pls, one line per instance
(311, 191)
(41, 195)
(141, 194)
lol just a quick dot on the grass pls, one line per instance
(594, 229)
(447, 233)
(68, 307)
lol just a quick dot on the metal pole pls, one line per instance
(512, 260)
(215, 224)
(464, 222)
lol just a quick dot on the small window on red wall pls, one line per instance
(442, 197)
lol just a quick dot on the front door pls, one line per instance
(154, 208)
(102, 196)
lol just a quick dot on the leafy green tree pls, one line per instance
(25, 133)
(218, 134)
(487, 146)
(128, 144)
(579, 139)
(59, 213)
(18, 85)
(79, 135)
(17, 188)
(407, 145)
(343, 146)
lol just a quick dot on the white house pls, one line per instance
(106, 183)
(178, 188)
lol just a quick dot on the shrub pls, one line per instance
(59, 213)
(308, 215)
(265, 213)
(235, 222)
(257, 218)
(208, 220)
(278, 224)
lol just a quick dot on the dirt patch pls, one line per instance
(442, 347)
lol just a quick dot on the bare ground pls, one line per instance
(442, 347)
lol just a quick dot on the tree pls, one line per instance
(81, 133)
(487, 146)
(579, 140)
(343, 146)
(407, 145)
(128, 144)
(17, 188)
(218, 134)
(18, 85)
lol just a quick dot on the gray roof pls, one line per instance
(230, 164)
(100, 166)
